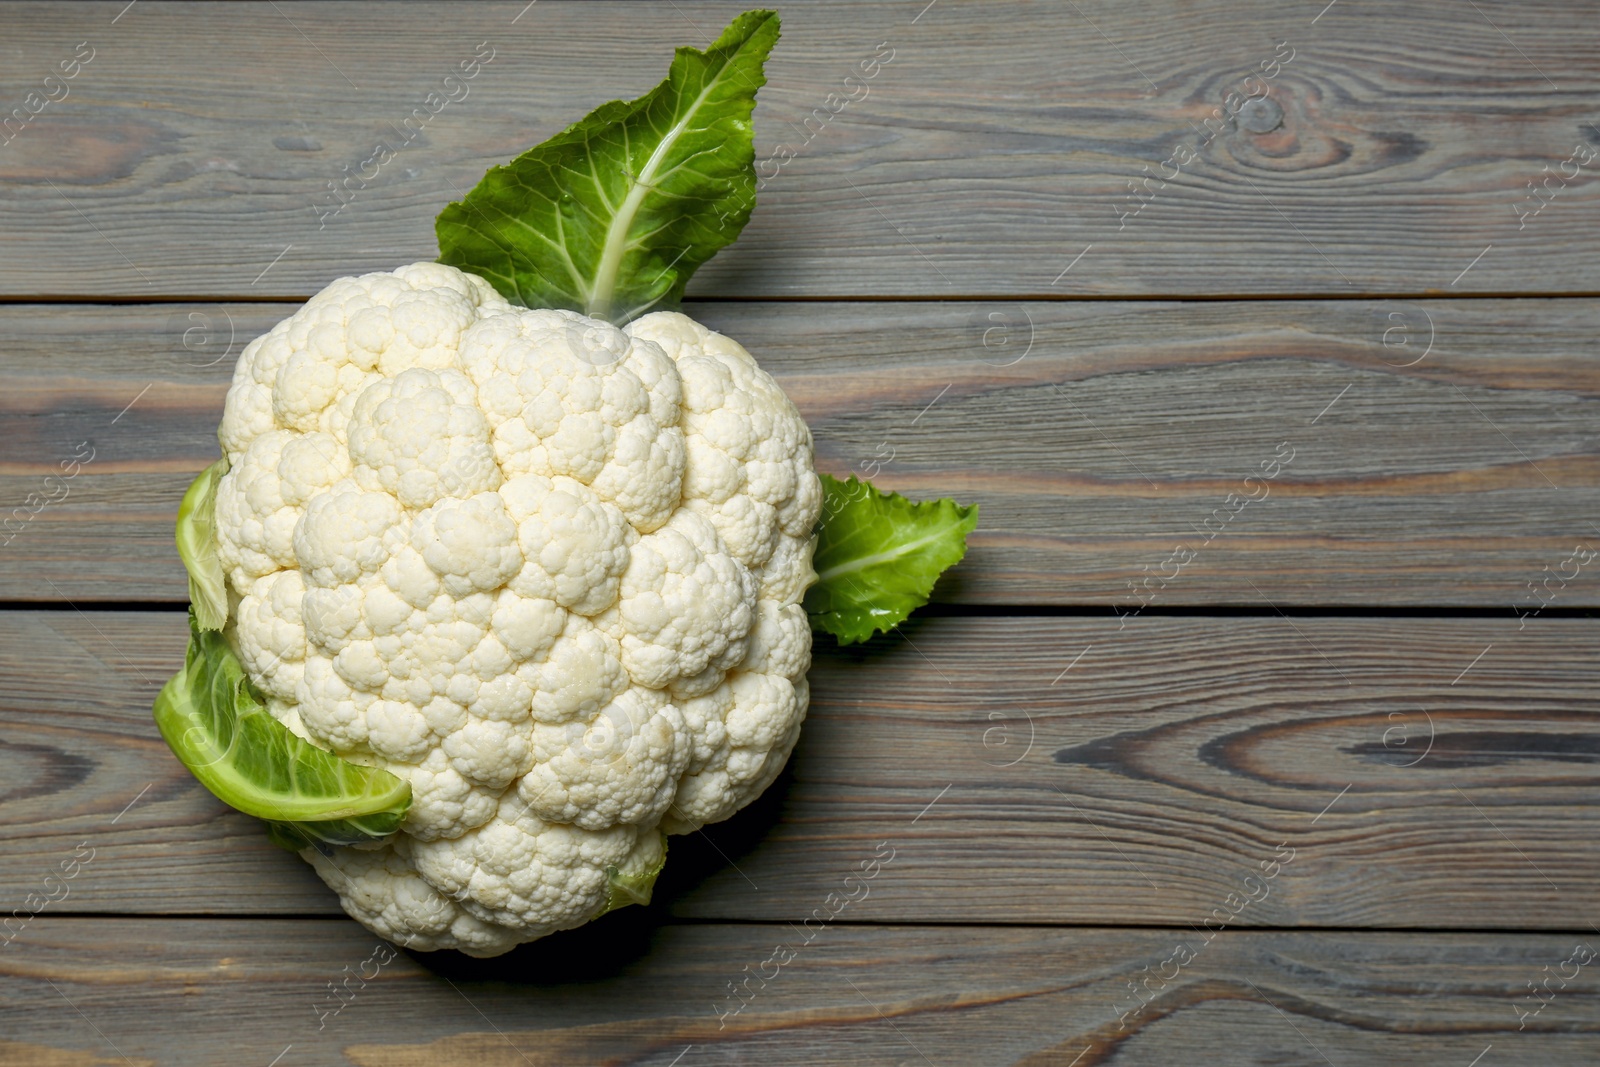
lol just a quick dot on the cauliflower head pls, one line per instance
(545, 569)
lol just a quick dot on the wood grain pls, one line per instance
(1067, 800)
(999, 142)
(1096, 436)
(209, 991)
(1378, 769)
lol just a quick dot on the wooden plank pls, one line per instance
(1406, 772)
(195, 151)
(1096, 436)
(211, 991)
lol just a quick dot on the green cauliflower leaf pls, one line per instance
(878, 555)
(611, 216)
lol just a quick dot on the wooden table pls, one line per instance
(1264, 335)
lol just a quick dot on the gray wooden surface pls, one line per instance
(996, 144)
(1172, 759)
(1098, 435)
(1358, 728)
(195, 991)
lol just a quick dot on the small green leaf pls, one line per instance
(219, 727)
(611, 216)
(634, 887)
(197, 545)
(878, 555)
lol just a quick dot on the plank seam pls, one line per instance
(1325, 296)
(1007, 611)
(885, 924)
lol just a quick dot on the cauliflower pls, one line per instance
(545, 570)
(489, 595)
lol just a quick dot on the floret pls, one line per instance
(546, 570)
